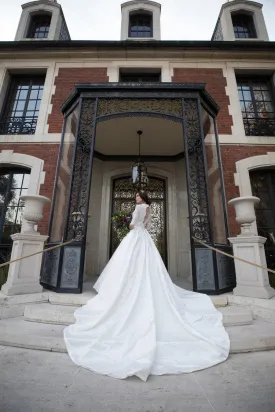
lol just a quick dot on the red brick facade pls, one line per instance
(215, 85)
(231, 155)
(65, 82)
(48, 153)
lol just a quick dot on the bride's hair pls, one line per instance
(144, 197)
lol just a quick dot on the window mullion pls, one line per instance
(27, 100)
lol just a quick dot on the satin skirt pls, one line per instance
(140, 323)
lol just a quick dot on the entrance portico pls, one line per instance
(180, 149)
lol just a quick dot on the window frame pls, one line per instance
(251, 80)
(10, 99)
(248, 23)
(140, 16)
(138, 77)
(33, 26)
(11, 171)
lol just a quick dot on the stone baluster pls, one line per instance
(24, 275)
(251, 281)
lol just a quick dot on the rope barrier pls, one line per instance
(234, 257)
(196, 240)
(37, 253)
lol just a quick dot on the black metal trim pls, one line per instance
(225, 210)
(182, 45)
(187, 167)
(141, 91)
(91, 160)
(72, 174)
(144, 158)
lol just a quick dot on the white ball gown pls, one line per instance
(140, 323)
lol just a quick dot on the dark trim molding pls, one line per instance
(142, 91)
(69, 45)
(133, 158)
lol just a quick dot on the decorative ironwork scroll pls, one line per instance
(198, 200)
(79, 199)
(71, 267)
(163, 107)
(124, 200)
(50, 268)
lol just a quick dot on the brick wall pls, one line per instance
(215, 85)
(231, 155)
(48, 153)
(65, 82)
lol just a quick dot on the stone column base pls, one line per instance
(24, 275)
(251, 281)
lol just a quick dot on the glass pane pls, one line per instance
(17, 180)
(4, 183)
(34, 93)
(19, 217)
(216, 205)
(10, 215)
(23, 94)
(14, 195)
(26, 181)
(63, 181)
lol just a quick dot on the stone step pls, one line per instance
(81, 299)
(63, 315)
(259, 336)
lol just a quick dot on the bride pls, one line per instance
(140, 323)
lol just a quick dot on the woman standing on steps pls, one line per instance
(140, 323)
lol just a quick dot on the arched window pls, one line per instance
(243, 25)
(140, 25)
(13, 184)
(39, 26)
(263, 186)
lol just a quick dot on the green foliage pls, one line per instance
(121, 221)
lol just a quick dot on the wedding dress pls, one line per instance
(140, 323)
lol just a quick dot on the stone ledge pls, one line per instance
(14, 306)
(260, 336)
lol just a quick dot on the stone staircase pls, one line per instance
(41, 326)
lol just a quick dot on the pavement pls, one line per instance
(38, 381)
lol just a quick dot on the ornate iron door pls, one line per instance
(124, 200)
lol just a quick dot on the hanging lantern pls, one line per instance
(139, 171)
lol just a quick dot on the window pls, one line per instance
(257, 104)
(22, 105)
(141, 77)
(243, 26)
(263, 186)
(140, 25)
(13, 184)
(39, 26)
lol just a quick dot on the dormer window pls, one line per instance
(39, 26)
(140, 25)
(243, 25)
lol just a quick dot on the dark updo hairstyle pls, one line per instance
(144, 197)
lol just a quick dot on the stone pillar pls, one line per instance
(251, 281)
(24, 275)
